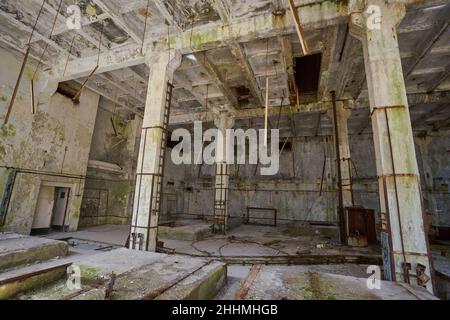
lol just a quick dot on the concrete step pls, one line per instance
(20, 250)
(28, 278)
(140, 275)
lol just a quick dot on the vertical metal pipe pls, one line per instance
(32, 97)
(16, 88)
(339, 173)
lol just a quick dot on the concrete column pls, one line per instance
(343, 112)
(223, 121)
(144, 223)
(405, 245)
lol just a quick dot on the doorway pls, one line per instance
(60, 208)
(51, 210)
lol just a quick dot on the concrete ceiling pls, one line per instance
(235, 73)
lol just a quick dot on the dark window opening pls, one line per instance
(287, 146)
(68, 89)
(307, 76)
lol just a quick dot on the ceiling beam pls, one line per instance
(222, 10)
(23, 27)
(186, 84)
(221, 7)
(102, 91)
(114, 59)
(215, 35)
(432, 85)
(64, 28)
(437, 125)
(117, 18)
(352, 58)
(126, 89)
(440, 25)
(316, 107)
(238, 52)
(160, 4)
(429, 114)
(250, 113)
(217, 78)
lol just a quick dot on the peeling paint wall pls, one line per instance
(53, 142)
(108, 193)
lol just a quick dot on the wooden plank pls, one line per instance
(241, 294)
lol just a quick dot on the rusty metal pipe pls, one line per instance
(339, 173)
(16, 88)
(396, 192)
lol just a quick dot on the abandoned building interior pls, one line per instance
(93, 206)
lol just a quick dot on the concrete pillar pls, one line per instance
(404, 241)
(223, 121)
(149, 171)
(343, 112)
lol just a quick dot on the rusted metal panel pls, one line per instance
(361, 222)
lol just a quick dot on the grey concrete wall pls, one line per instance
(432, 153)
(108, 196)
(294, 191)
(55, 140)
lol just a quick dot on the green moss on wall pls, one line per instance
(119, 193)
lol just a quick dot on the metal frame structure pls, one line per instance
(156, 178)
(221, 199)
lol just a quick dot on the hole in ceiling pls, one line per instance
(307, 74)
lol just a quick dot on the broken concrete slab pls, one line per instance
(140, 275)
(188, 231)
(17, 250)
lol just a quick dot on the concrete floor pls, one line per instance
(140, 274)
(245, 240)
(319, 281)
(112, 234)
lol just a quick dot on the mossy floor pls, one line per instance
(317, 283)
(139, 275)
(17, 250)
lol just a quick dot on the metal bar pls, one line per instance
(16, 88)
(396, 193)
(159, 292)
(32, 96)
(77, 95)
(323, 174)
(243, 290)
(339, 173)
(298, 27)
